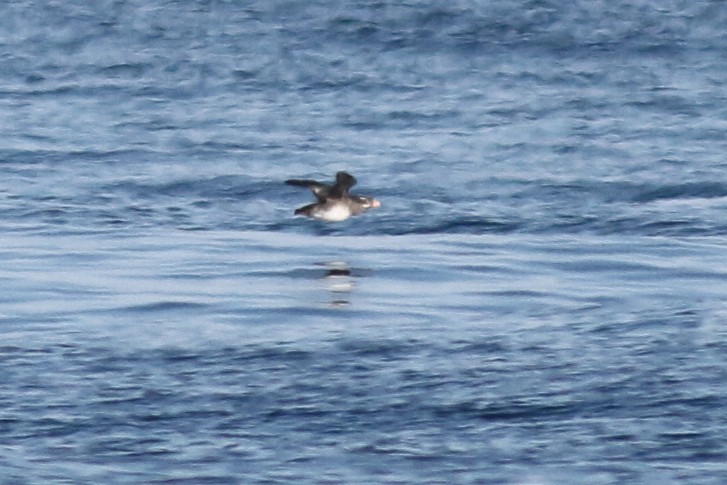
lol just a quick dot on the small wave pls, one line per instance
(694, 190)
(162, 306)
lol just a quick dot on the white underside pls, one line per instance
(335, 213)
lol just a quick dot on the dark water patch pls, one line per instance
(125, 70)
(485, 347)
(510, 411)
(672, 104)
(666, 319)
(452, 225)
(702, 190)
(162, 306)
(281, 353)
(607, 265)
(25, 158)
(238, 187)
(378, 349)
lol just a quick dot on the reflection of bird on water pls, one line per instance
(338, 278)
(334, 202)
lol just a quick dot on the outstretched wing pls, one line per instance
(320, 190)
(344, 181)
(306, 210)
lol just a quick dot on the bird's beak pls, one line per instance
(375, 203)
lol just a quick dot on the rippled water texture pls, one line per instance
(540, 298)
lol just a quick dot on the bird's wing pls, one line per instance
(320, 190)
(344, 181)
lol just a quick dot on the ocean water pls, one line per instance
(540, 299)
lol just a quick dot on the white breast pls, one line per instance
(333, 212)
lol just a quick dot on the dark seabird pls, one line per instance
(334, 202)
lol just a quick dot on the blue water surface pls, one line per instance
(540, 299)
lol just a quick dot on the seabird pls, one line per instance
(334, 202)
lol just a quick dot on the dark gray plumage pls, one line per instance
(334, 201)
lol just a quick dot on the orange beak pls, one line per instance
(375, 203)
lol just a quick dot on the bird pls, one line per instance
(334, 204)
